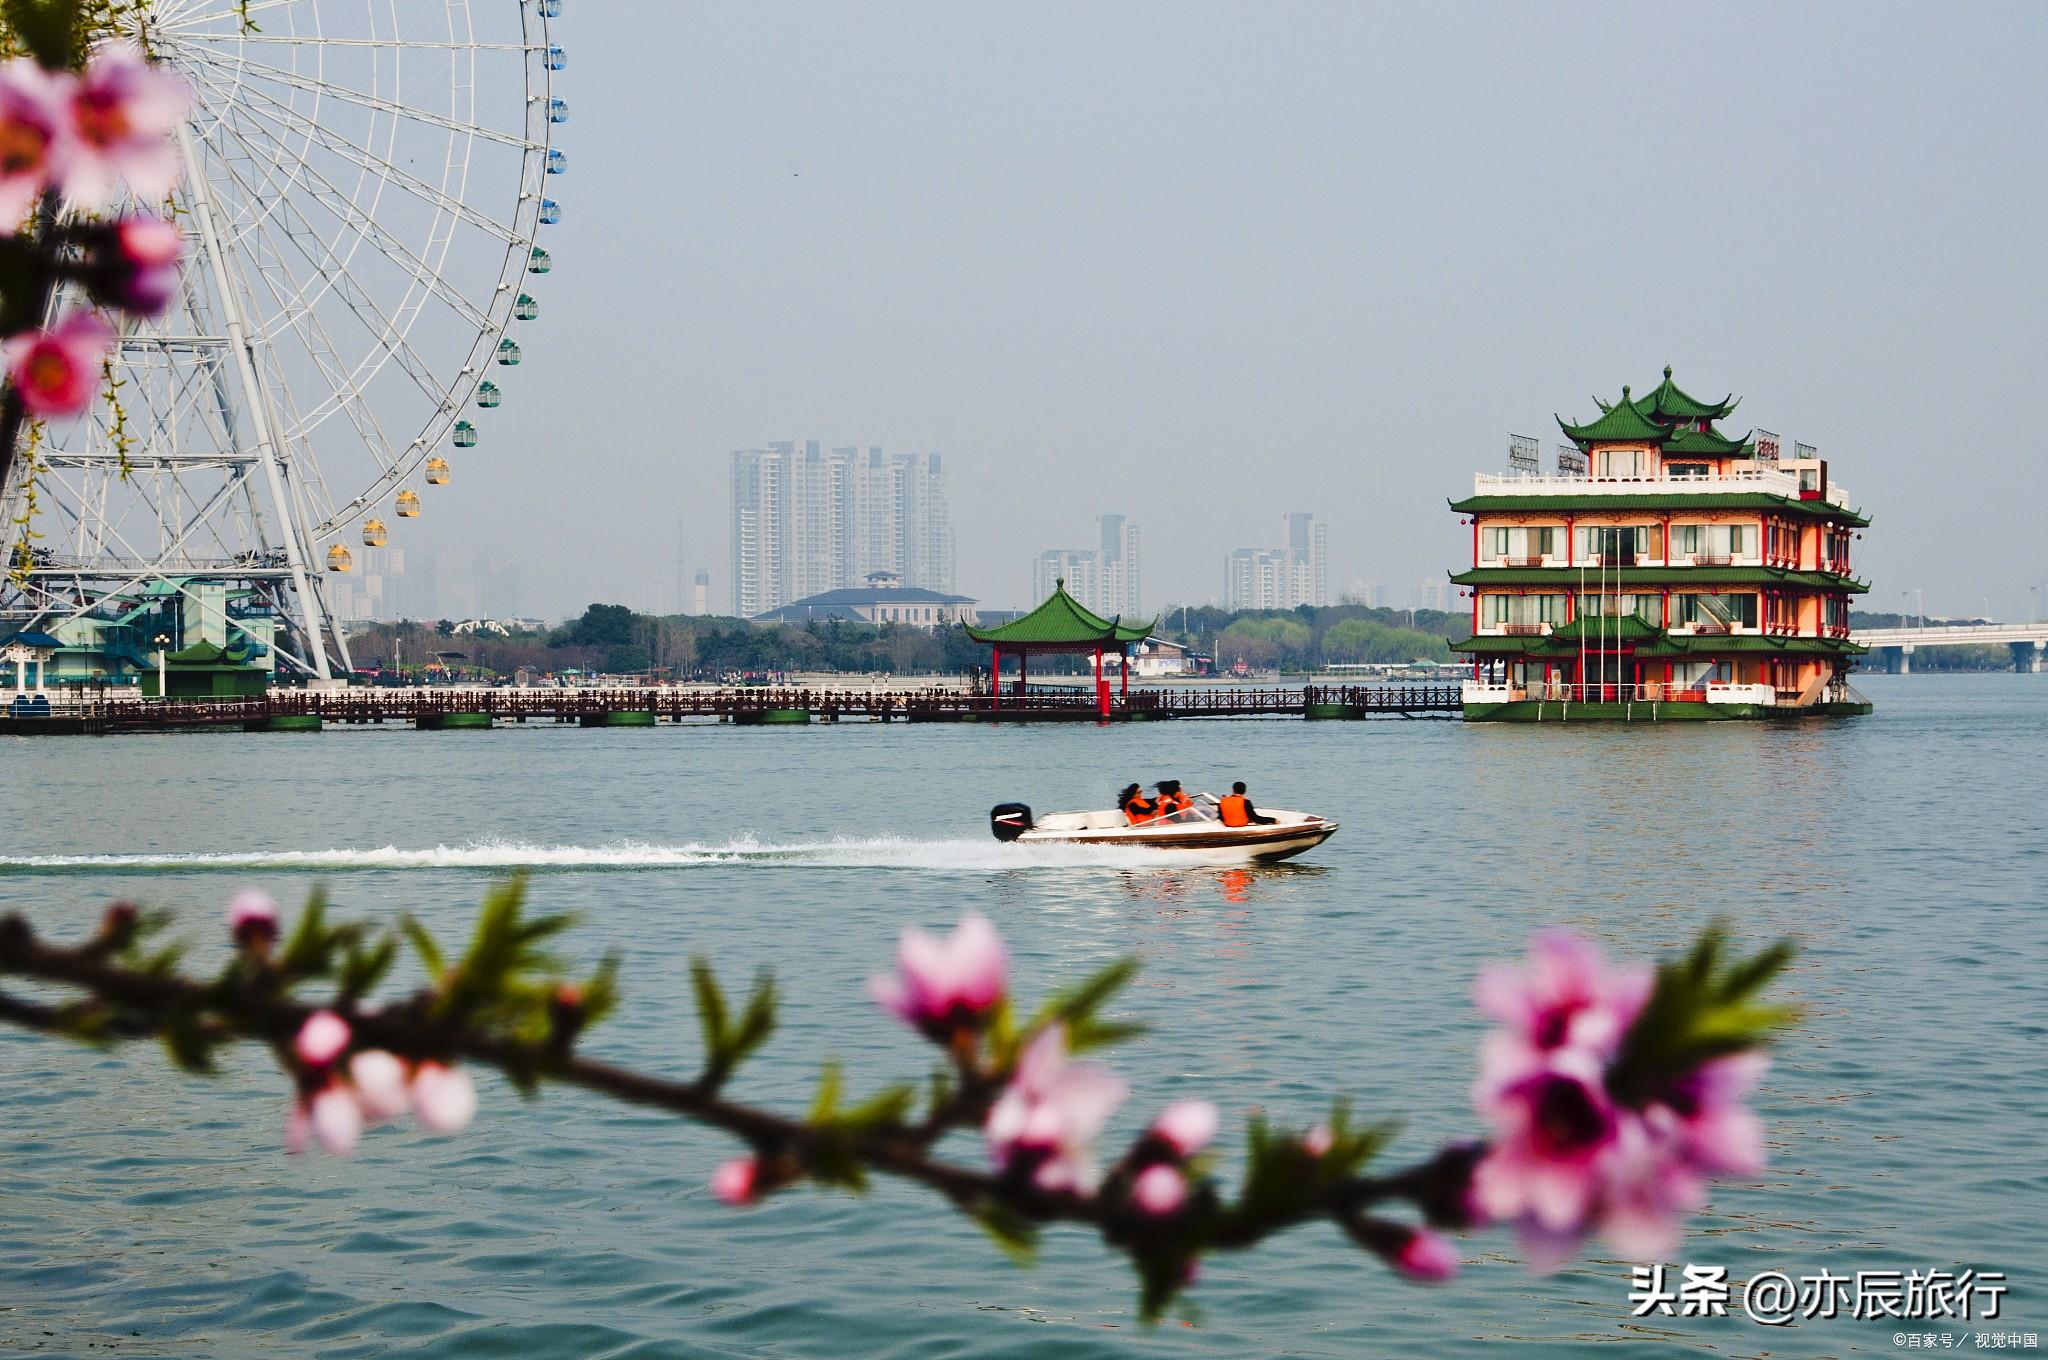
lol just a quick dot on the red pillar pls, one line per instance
(1023, 675)
(1124, 672)
(998, 671)
(1101, 689)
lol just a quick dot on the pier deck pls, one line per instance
(435, 709)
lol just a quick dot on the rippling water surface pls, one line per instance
(144, 1213)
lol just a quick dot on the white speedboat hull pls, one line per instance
(1186, 839)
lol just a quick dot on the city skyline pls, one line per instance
(1281, 578)
(805, 521)
(1107, 578)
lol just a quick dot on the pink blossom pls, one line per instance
(1049, 1114)
(943, 984)
(1566, 997)
(297, 1128)
(57, 371)
(379, 1080)
(1318, 1141)
(733, 1182)
(1427, 1257)
(1159, 1190)
(1554, 1132)
(32, 123)
(1716, 1133)
(251, 910)
(335, 1119)
(143, 275)
(1186, 1126)
(123, 112)
(321, 1038)
(443, 1097)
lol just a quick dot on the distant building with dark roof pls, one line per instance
(882, 600)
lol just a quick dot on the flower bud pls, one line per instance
(734, 1181)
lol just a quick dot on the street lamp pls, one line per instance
(162, 641)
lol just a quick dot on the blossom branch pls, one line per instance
(355, 1062)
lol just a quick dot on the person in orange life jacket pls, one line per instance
(1136, 806)
(1237, 810)
(1171, 799)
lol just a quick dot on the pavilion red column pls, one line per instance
(1124, 671)
(1101, 689)
(998, 678)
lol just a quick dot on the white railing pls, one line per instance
(1479, 692)
(1768, 480)
(1742, 694)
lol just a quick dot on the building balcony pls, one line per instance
(1699, 559)
(1770, 481)
(1524, 629)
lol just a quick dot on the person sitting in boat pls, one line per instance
(1237, 810)
(1136, 807)
(1171, 800)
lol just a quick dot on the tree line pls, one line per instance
(615, 639)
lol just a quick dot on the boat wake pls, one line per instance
(876, 852)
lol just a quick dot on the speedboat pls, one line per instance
(1196, 835)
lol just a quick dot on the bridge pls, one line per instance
(82, 710)
(1892, 648)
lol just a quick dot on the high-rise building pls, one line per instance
(1107, 578)
(700, 595)
(1281, 578)
(805, 521)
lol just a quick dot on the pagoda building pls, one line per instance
(1664, 564)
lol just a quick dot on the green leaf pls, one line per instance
(1700, 1008)
(757, 1022)
(305, 953)
(1081, 1001)
(825, 1106)
(710, 1009)
(423, 945)
(1008, 1229)
(886, 1108)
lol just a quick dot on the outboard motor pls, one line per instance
(1009, 820)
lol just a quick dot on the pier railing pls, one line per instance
(610, 707)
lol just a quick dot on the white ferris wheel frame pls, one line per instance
(253, 503)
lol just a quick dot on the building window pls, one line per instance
(1623, 464)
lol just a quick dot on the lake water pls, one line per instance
(146, 1213)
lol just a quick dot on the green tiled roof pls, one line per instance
(1709, 500)
(1710, 645)
(1708, 444)
(1669, 403)
(1619, 423)
(1621, 578)
(1617, 627)
(1062, 622)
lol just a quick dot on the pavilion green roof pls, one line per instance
(1621, 578)
(1689, 500)
(1611, 627)
(1709, 443)
(1062, 621)
(1670, 403)
(209, 654)
(1621, 423)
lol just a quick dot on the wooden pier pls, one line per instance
(450, 709)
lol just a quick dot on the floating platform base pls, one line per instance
(761, 717)
(1555, 710)
(285, 722)
(619, 717)
(452, 722)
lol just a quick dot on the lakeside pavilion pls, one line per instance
(1062, 625)
(1664, 562)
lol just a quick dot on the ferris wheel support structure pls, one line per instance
(290, 524)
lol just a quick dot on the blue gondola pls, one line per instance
(558, 162)
(550, 212)
(557, 58)
(550, 9)
(558, 110)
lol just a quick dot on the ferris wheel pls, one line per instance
(366, 187)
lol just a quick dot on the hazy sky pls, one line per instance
(1206, 264)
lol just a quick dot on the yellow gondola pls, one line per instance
(408, 504)
(437, 472)
(338, 558)
(373, 533)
